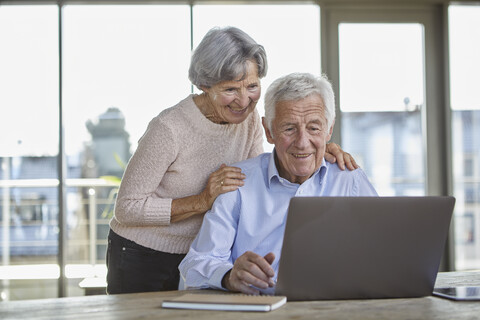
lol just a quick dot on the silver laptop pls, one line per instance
(362, 247)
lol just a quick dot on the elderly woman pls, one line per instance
(179, 167)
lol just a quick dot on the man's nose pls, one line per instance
(302, 139)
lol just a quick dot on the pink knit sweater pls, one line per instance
(174, 158)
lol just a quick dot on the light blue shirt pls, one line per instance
(252, 218)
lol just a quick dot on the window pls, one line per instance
(29, 147)
(381, 98)
(121, 66)
(469, 166)
(464, 32)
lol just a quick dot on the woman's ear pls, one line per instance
(204, 88)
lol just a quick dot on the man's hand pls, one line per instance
(250, 270)
(333, 153)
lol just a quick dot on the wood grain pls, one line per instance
(148, 306)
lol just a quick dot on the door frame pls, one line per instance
(436, 115)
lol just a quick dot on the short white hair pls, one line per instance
(297, 86)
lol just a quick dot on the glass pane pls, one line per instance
(381, 97)
(381, 67)
(122, 66)
(465, 101)
(291, 40)
(28, 154)
(464, 24)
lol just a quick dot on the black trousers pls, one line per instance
(134, 268)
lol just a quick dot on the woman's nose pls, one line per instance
(243, 99)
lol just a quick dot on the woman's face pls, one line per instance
(234, 100)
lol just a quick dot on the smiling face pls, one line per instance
(300, 133)
(232, 101)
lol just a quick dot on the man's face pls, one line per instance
(300, 133)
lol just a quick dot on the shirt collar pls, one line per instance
(272, 171)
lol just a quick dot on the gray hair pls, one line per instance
(222, 55)
(297, 86)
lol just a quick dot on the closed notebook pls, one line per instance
(226, 302)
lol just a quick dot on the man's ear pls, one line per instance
(330, 131)
(268, 134)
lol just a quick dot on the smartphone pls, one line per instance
(468, 293)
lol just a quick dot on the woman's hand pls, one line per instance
(223, 180)
(333, 153)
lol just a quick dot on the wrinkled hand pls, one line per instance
(224, 180)
(250, 270)
(333, 153)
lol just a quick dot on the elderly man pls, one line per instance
(239, 244)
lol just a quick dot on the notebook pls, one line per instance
(362, 247)
(227, 302)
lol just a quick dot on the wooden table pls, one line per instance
(148, 306)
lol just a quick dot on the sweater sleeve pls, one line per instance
(137, 202)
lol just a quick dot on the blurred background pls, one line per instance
(80, 80)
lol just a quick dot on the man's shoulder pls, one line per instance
(255, 164)
(334, 172)
(254, 170)
(334, 169)
(348, 182)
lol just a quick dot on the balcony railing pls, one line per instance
(30, 229)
